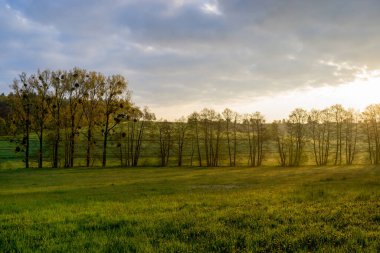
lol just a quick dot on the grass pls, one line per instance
(191, 209)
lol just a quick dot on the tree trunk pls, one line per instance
(40, 155)
(27, 137)
(198, 145)
(228, 142)
(89, 143)
(235, 142)
(105, 140)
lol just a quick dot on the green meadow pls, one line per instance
(266, 209)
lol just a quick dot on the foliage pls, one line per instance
(54, 102)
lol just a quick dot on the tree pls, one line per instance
(256, 136)
(133, 129)
(57, 98)
(91, 109)
(136, 124)
(371, 117)
(231, 117)
(165, 137)
(180, 129)
(350, 125)
(320, 128)
(74, 85)
(5, 113)
(212, 126)
(280, 134)
(193, 120)
(227, 114)
(338, 111)
(291, 137)
(21, 105)
(3, 127)
(114, 95)
(40, 112)
(296, 125)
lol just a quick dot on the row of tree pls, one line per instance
(332, 136)
(63, 107)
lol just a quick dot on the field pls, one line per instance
(191, 209)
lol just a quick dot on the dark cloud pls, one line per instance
(177, 52)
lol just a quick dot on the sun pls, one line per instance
(359, 93)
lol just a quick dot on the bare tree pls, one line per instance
(228, 115)
(254, 124)
(135, 131)
(338, 111)
(291, 137)
(351, 133)
(296, 124)
(193, 120)
(279, 132)
(212, 126)
(165, 137)
(371, 117)
(180, 129)
(320, 127)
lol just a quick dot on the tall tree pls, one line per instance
(321, 130)
(279, 132)
(296, 125)
(180, 129)
(91, 109)
(193, 120)
(5, 114)
(40, 111)
(254, 124)
(228, 115)
(212, 128)
(133, 130)
(137, 121)
(165, 137)
(371, 117)
(74, 84)
(57, 95)
(351, 133)
(114, 91)
(338, 111)
(21, 105)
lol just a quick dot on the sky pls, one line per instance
(180, 56)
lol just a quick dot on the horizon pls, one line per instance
(182, 56)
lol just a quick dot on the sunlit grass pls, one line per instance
(191, 209)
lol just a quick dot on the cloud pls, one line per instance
(179, 52)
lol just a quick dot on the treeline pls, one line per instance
(78, 112)
(329, 136)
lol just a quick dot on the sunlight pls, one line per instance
(211, 8)
(358, 94)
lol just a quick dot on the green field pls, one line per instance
(191, 209)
